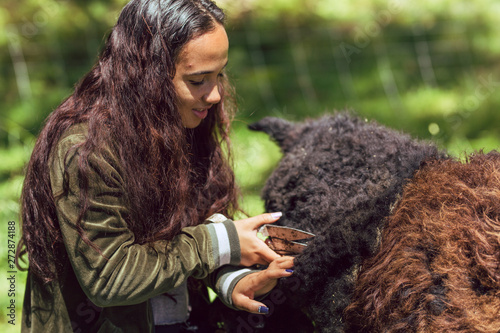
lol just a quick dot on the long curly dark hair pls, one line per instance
(175, 177)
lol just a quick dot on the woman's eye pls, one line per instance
(196, 83)
(200, 82)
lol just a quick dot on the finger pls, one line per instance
(260, 279)
(282, 263)
(267, 254)
(250, 305)
(286, 262)
(264, 281)
(262, 219)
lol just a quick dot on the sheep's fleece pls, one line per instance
(338, 178)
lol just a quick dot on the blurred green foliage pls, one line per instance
(430, 68)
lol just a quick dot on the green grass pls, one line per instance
(254, 158)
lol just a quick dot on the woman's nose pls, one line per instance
(213, 96)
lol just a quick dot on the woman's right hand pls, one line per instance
(253, 249)
(260, 283)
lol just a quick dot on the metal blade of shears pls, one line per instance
(285, 240)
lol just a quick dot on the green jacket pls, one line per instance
(109, 292)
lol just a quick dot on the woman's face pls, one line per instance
(198, 74)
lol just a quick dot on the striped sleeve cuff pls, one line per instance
(227, 278)
(225, 243)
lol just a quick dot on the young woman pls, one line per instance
(121, 190)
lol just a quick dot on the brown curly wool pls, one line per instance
(438, 265)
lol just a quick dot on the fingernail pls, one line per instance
(276, 215)
(289, 270)
(263, 309)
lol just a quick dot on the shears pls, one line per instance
(285, 240)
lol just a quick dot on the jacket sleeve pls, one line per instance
(223, 280)
(126, 273)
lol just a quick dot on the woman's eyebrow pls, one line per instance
(204, 72)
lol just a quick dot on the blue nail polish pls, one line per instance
(263, 309)
(289, 270)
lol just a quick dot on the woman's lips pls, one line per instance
(200, 113)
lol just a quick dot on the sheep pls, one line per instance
(438, 265)
(338, 177)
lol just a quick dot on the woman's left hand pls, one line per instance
(260, 283)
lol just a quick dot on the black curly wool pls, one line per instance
(338, 178)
